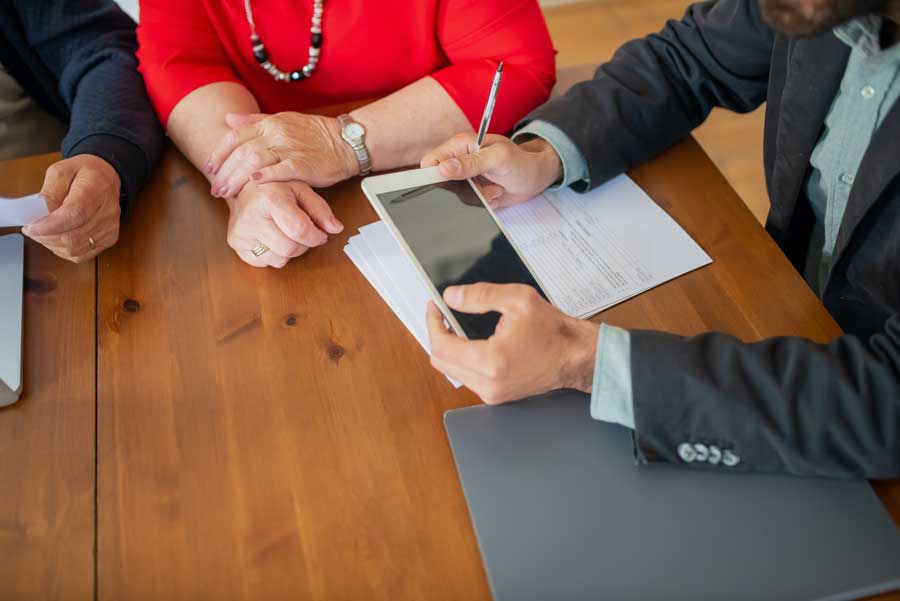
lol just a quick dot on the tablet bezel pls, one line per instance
(417, 178)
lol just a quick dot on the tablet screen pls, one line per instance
(456, 241)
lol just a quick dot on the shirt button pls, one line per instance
(729, 459)
(867, 92)
(687, 452)
(701, 451)
(847, 178)
(715, 455)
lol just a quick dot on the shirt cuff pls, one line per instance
(612, 399)
(575, 168)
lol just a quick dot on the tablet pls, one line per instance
(452, 237)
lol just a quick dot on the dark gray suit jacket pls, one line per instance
(784, 404)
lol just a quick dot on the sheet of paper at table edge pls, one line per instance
(372, 270)
(352, 250)
(591, 251)
(360, 255)
(399, 268)
(16, 212)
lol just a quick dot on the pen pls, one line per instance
(489, 107)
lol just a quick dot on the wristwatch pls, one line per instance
(354, 134)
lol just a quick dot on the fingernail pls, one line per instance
(453, 295)
(335, 225)
(453, 164)
(214, 191)
(256, 176)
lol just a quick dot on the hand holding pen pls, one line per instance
(506, 173)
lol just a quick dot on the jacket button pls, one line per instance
(730, 459)
(702, 451)
(715, 455)
(687, 452)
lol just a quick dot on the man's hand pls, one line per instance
(506, 173)
(280, 148)
(82, 195)
(535, 348)
(289, 218)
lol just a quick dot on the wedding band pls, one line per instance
(259, 250)
(92, 243)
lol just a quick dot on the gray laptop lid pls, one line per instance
(12, 253)
(561, 512)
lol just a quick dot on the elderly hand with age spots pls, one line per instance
(264, 168)
(82, 195)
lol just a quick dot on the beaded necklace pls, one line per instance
(315, 46)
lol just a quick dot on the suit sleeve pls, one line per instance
(656, 90)
(89, 46)
(785, 405)
(476, 35)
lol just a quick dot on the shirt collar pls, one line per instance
(864, 33)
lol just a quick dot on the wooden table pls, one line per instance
(48, 438)
(268, 434)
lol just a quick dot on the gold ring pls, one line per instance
(259, 250)
(92, 243)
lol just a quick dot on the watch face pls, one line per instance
(354, 131)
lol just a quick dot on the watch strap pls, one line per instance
(359, 147)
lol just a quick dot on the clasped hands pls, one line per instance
(266, 168)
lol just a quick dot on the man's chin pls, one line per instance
(787, 17)
(793, 24)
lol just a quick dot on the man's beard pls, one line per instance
(789, 16)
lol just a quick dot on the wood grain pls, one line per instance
(278, 434)
(47, 438)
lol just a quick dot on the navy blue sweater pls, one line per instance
(75, 58)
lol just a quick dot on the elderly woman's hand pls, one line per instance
(280, 148)
(286, 218)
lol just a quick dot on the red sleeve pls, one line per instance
(178, 52)
(476, 35)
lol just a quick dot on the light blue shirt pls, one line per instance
(869, 89)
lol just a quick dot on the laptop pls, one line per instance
(561, 512)
(12, 269)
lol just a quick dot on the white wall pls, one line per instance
(131, 6)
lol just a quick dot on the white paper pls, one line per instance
(592, 251)
(409, 298)
(16, 212)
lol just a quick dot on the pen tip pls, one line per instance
(500, 68)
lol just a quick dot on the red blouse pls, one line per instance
(370, 48)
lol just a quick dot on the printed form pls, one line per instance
(591, 251)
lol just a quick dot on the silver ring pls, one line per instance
(259, 250)
(92, 243)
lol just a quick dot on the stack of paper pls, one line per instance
(589, 251)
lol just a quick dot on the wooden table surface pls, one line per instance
(47, 439)
(265, 434)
